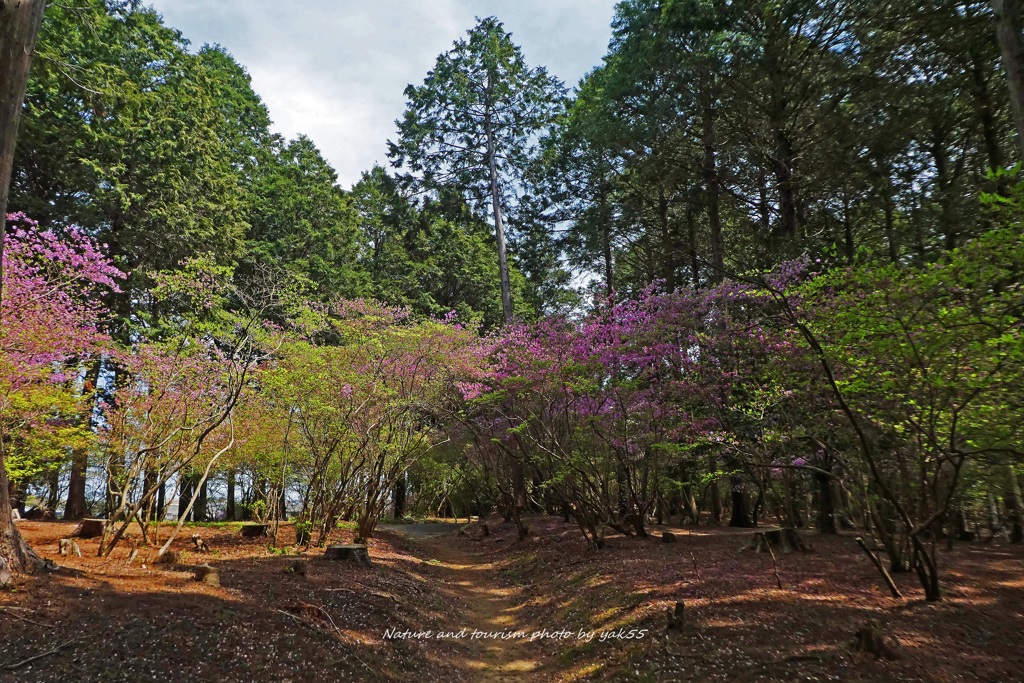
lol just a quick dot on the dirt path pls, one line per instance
(473, 581)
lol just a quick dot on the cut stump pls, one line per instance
(348, 553)
(785, 540)
(37, 514)
(255, 530)
(668, 537)
(871, 639)
(204, 573)
(677, 615)
(90, 528)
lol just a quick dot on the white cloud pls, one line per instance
(335, 70)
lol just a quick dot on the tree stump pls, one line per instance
(871, 639)
(677, 616)
(90, 528)
(348, 553)
(795, 540)
(485, 530)
(38, 514)
(668, 537)
(204, 573)
(255, 530)
(297, 567)
(786, 540)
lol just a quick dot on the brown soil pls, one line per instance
(118, 623)
(152, 622)
(489, 608)
(739, 625)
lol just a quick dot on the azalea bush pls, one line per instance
(367, 391)
(51, 312)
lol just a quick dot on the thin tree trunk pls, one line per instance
(74, 507)
(890, 237)
(826, 511)
(716, 501)
(113, 498)
(711, 190)
(764, 212)
(161, 501)
(53, 489)
(17, 494)
(668, 248)
(995, 525)
(691, 505)
(185, 489)
(606, 238)
(19, 26)
(1016, 505)
(785, 180)
(851, 250)
(229, 510)
(398, 497)
(499, 227)
(1011, 45)
(691, 230)
(881, 569)
(148, 482)
(188, 508)
(792, 517)
(740, 516)
(986, 113)
(200, 513)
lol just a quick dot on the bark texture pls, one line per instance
(1011, 45)
(19, 26)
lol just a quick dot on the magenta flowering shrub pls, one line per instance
(51, 306)
(608, 413)
(50, 319)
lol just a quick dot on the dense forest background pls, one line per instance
(714, 138)
(772, 246)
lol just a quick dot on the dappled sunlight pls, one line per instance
(734, 618)
(332, 618)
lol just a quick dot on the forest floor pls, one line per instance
(498, 609)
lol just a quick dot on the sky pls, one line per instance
(335, 70)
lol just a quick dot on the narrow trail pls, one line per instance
(473, 582)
